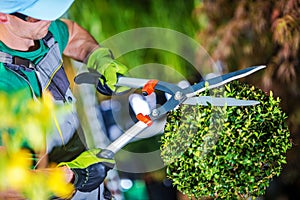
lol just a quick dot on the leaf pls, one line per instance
(230, 145)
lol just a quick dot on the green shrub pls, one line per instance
(226, 152)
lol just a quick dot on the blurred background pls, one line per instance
(235, 33)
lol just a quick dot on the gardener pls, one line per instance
(33, 40)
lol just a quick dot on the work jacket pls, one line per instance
(67, 141)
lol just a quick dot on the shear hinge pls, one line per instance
(149, 87)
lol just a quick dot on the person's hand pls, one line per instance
(90, 169)
(103, 62)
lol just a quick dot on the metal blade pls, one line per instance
(216, 101)
(132, 82)
(221, 80)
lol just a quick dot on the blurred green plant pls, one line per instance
(25, 123)
(104, 19)
(226, 152)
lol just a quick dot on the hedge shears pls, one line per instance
(177, 94)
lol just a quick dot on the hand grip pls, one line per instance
(105, 153)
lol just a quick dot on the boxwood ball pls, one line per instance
(226, 152)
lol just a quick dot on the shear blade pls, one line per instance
(91, 77)
(216, 101)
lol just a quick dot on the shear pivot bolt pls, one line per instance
(178, 95)
(155, 113)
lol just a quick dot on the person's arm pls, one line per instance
(12, 193)
(80, 44)
(83, 47)
(86, 172)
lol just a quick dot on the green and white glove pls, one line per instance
(102, 61)
(90, 168)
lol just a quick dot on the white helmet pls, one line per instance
(39, 9)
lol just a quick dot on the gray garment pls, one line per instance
(90, 195)
(69, 123)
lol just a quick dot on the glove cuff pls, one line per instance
(85, 60)
(76, 181)
(62, 164)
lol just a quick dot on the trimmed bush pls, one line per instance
(226, 152)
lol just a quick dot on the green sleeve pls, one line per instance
(60, 32)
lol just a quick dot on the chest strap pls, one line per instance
(9, 59)
(6, 58)
(49, 70)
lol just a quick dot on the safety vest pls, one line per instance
(52, 77)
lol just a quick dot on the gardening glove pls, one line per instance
(90, 168)
(102, 61)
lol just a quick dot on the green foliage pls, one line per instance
(226, 152)
(25, 123)
(106, 18)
